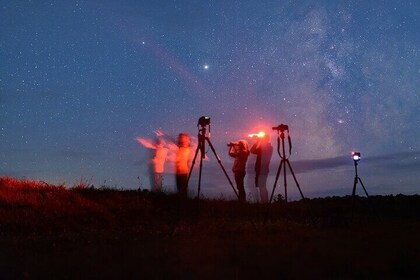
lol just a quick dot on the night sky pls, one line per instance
(80, 80)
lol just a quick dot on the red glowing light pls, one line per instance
(260, 134)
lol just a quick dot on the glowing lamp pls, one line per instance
(355, 156)
(260, 134)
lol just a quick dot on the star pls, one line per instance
(206, 66)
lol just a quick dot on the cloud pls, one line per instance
(303, 166)
(401, 160)
(408, 161)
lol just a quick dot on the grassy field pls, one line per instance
(53, 232)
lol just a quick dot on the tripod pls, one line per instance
(284, 160)
(356, 179)
(202, 138)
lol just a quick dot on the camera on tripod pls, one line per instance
(203, 137)
(355, 156)
(281, 127)
(203, 121)
(233, 144)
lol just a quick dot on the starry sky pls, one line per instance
(80, 80)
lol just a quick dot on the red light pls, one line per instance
(260, 134)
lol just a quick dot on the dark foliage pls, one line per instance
(83, 232)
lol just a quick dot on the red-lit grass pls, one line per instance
(57, 232)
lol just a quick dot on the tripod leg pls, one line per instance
(193, 162)
(272, 193)
(294, 177)
(285, 181)
(370, 203)
(199, 178)
(363, 186)
(275, 182)
(353, 197)
(300, 191)
(221, 165)
(354, 186)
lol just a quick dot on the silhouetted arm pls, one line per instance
(255, 147)
(232, 151)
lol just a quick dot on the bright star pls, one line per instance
(206, 66)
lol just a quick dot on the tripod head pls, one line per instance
(202, 123)
(281, 129)
(355, 156)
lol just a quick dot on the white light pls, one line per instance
(206, 66)
(356, 156)
(260, 134)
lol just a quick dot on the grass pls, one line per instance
(66, 233)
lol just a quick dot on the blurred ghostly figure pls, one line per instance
(157, 164)
(158, 156)
(250, 179)
(263, 149)
(181, 164)
(240, 152)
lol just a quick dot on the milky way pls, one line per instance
(80, 80)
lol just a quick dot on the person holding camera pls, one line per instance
(239, 151)
(263, 149)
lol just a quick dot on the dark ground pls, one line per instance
(51, 232)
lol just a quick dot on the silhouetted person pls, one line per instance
(181, 164)
(240, 152)
(263, 149)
